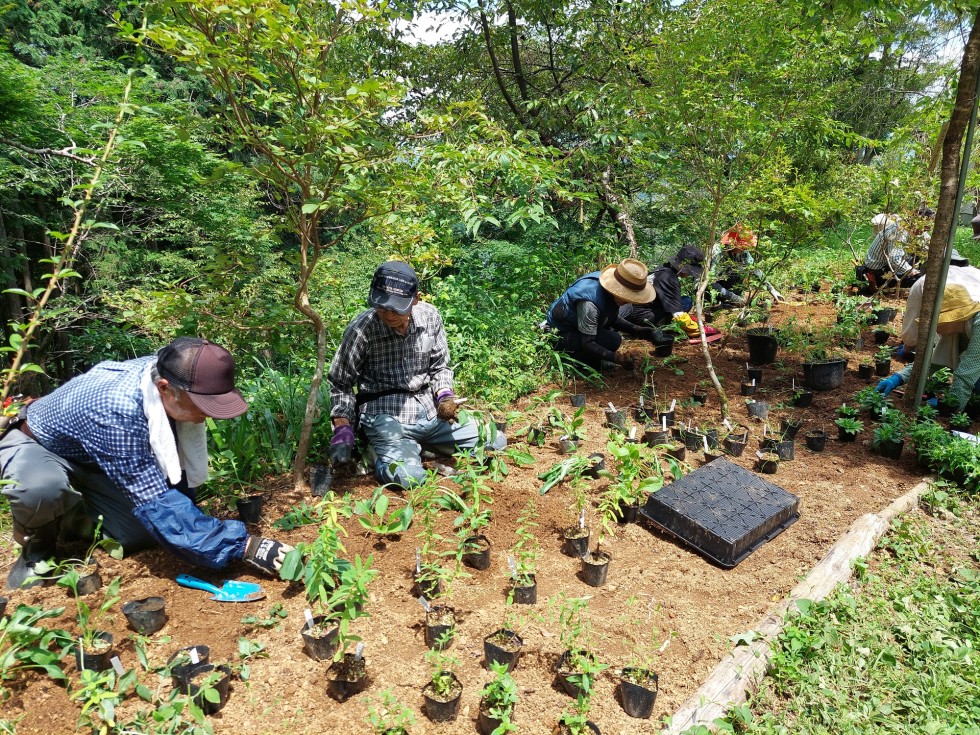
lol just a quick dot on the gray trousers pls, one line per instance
(45, 487)
(399, 446)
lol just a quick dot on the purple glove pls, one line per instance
(341, 445)
(446, 407)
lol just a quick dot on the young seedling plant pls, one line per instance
(499, 697)
(526, 550)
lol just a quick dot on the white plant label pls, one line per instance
(512, 565)
(673, 403)
(704, 439)
(727, 424)
(633, 428)
(308, 614)
(425, 604)
(117, 665)
(581, 519)
(663, 422)
(641, 402)
(753, 382)
(794, 384)
(612, 408)
(195, 659)
(418, 561)
(359, 651)
(758, 454)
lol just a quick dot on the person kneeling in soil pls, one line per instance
(959, 318)
(669, 305)
(126, 441)
(586, 316)
(961, 272)
(396, 355)
(731, 261)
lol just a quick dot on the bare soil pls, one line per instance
(657, 587)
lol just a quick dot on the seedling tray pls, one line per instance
(723, 511)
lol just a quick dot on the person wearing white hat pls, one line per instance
(586, 316)
(886, 255)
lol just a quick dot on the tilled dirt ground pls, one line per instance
(657, 588)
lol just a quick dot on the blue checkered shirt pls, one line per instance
(374, 358)
(885, 252)
(97, 418)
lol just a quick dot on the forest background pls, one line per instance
(268, 156)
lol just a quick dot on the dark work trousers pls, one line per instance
(46, 488)
(571, 344)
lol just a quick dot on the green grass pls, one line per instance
(899, 654)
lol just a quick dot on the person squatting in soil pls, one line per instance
(959, 319)
(731, 266)
(126, 441)
(396, 356)
(669, 305)
(586, 316)
(886, 254)
(961, 272)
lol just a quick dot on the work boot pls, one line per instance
(36, 546)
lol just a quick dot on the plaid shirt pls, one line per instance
(375, 358)
(97, 418)
(886, 254)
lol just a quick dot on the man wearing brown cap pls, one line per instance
(391, 376)
(586, 316)
(126, 441)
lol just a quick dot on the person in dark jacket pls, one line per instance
(670, 305)
(118, 442)
(586, 316)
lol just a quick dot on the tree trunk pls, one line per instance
(946, 216)
(621, 214)
(12, 304)
(309, 256)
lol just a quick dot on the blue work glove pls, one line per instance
(889, 384)
(900, 350)
(342, 445)
(934, 402)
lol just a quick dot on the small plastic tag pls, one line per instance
(117, 665)
(418, 561)
(195, 659)
(612, 407)
(425, 604)
(308, 614)
(758, 454)
(512, 565)
(633, 431)
(581, 519)
(359, 651)
(746, 367)
(728, 424)
(753, 382)
(673, 403)
(704, 439)
(641, 401)
(794, 384)
(663, 422)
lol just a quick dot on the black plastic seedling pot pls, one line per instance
(346, 677)
(439, 709)
(146, 616)
(595, 567)
(502, 647)
(476, 552)
(638, 690)
(526, 594)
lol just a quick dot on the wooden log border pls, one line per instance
(742, 670)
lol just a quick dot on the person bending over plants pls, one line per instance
(126, 441)
(391, 376)
(586, 316)
(959, 317)
(668, 305)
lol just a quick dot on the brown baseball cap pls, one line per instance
(206, 372)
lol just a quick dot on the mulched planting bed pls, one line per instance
(654, 583)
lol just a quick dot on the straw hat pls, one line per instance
(957, 305)
(628, 281)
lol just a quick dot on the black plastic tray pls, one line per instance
(723, 511)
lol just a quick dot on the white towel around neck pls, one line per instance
(187, 452)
